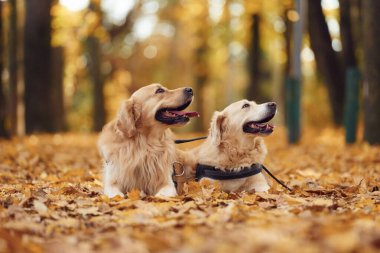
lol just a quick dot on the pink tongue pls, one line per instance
(188, 114)
(262, 125)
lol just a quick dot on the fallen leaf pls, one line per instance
(40, 207)
(134, 194)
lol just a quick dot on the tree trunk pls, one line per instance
(288, 40)
(200, 82)
(13, 65)
(37, 67)
(327, 60)
(287, 67)
(357, 22)
(253, 92)
(201, 68)
(57, 92)
(99, 114)
(371, 42)
(3, 107)
(348, 48)
(95, 72)
(294, 80)
(352, 76)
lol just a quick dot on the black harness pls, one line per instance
(217, 174)
(208, 171)
(203, 170)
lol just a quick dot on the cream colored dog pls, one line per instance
(235, 141)
(138, 147)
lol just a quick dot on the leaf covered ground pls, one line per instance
(51, 201)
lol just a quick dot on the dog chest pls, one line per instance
(146, 169)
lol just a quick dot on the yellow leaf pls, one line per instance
(134, 195)
(321, 202)
(293, 200)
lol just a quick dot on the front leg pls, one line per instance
(167, 190)
(189, 161)
(258, 183)
(111, 188)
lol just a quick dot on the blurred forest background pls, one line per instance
(66, 65)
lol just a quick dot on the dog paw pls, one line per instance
(167, 191)
(261, 188)
(113, 192)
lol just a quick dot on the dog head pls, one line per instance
(241, 120)
(155, 107)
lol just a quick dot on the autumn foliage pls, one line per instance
(51, 200)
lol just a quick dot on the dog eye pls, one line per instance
(160, 90)
(245, 106)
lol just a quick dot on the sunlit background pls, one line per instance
(195, 43)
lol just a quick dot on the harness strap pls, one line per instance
(203, 170)
(208, 171)
(217, 174)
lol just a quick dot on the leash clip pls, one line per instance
(177, 166)
(179, 177)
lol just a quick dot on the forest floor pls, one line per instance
(51, 201)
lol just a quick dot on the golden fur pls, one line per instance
(138, 150)
(228, 147)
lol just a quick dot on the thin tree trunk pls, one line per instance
(294, 81)
(327, 60)
(371, 37)
(357, 22)
(253, 92)
(202, 68)
(99, 114)
(37, 67)
(3, 107)
(348, 47)
(13, 65)
(351, 108)
(95, 72)
(57, 93)
(200, 82)
(288, 51)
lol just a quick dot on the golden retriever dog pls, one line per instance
(235, 141)
(138, 147)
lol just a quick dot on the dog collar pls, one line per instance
(208, 171)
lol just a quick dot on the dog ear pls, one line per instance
(128, 115)
(216, 128)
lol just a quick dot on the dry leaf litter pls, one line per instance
(51, 201)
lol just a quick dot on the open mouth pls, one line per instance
(176, 115)
(260, 127)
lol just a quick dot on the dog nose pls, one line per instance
(189, 91)
(272, 105)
